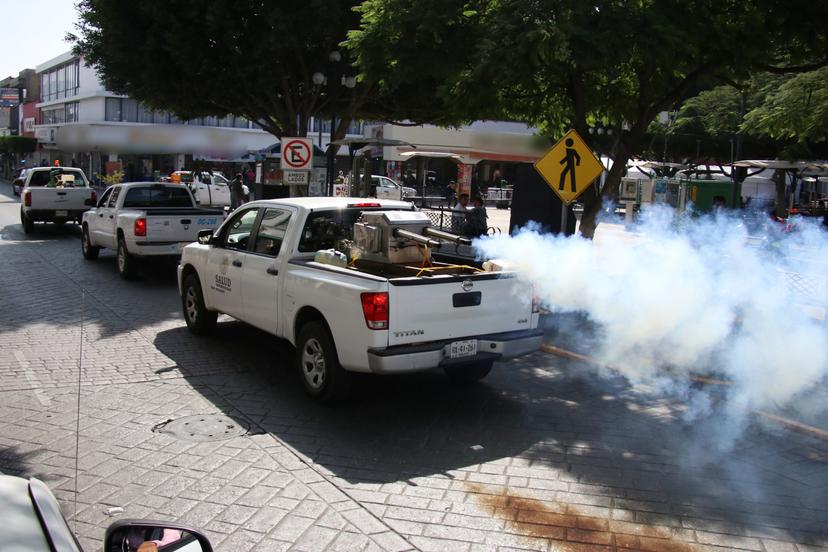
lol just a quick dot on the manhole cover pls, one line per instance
(210, 427)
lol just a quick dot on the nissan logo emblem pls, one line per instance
(467, 285)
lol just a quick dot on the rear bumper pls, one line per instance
(156, 249)
(50, 215)
(424, 356)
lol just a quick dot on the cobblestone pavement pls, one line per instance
(541, 456)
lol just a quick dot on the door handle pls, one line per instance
(237, 263)
(273, 270)
(111, 216)
(101, 215)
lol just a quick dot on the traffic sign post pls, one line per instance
(297, 154)
(569, 168)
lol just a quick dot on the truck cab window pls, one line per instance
(239, 229)
(271, 232)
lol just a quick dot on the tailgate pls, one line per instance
(437, 308)
(60, 198)
(179, 227)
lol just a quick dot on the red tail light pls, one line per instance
(94, 197)
(364, 205)
(535, 300)
(140, 228)
(375, 309)
(27, 199)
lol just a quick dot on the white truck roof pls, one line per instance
(335, 202)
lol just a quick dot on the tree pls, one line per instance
(561, 63)
(795, 111)
(249, 58)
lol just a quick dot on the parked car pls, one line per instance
(209, 189)
(34, 523)
(17, 183)
(260, 267)
(386, 188)
(54, 194)
(142, 220)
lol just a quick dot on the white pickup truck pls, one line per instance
(141, 220)
(54, 194)
(260, 268)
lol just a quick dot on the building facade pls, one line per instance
(80, 123)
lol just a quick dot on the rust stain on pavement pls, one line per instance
(569, 529)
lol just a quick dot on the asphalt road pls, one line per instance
(543, 455)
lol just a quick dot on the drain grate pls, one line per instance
(201, 427)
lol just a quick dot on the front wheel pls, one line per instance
(126, 264)
(90, 252)
(469, 373)
(323, 376)
(200, 320)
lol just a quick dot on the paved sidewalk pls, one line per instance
(543, 455)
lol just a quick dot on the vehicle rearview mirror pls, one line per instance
(89, 202)
(138, 535)
(205, 237)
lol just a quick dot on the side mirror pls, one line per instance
(205, 237)
(89, 202)
(138, 535)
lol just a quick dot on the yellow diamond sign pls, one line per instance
(569, 167)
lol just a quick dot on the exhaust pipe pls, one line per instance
(434, 233)
(419, 238)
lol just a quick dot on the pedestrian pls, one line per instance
(236, 192)
(450, 192)
(476, 219)
(458, 215)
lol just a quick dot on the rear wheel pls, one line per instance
(28, 224)
(90, 252)
(469, 373)
(126, 264)
(323, 376)
(200, 320)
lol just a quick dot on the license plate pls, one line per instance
(61, 213)
(460, 349)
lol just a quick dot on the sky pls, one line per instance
(34, 32)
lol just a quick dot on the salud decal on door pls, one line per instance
(223, 283)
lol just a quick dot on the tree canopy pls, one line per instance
(562, 63)
(795, 110)
(250, 58)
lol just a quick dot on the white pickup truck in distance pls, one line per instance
(142, 220)
(366, 316)
(54, 194)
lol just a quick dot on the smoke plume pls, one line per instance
(673, 298)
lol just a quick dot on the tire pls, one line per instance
(28, 224)
(322, 375)
(200, 320)
(126, 264)
(469, 373)
(90, 252)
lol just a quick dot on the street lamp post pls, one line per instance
(332, 81)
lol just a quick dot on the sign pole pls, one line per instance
(564, 214)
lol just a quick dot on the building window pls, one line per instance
(71, 115)
(60, 82)
(53, 116)
(113, 109)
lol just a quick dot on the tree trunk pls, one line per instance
(609, 193)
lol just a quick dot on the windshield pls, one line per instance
(324, 229)
(158, 196)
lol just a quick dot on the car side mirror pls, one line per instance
(89, 202)
(205, 237)
(139, 535)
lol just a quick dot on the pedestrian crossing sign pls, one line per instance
(569, 167)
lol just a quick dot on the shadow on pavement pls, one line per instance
(610, 446)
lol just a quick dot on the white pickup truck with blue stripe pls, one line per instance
(144, 219)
